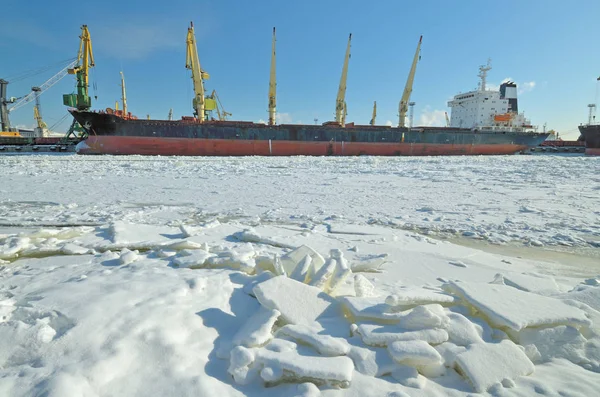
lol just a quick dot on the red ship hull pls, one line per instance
(132, 145)
(592, 151)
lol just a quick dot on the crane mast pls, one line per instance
(123, 95)
(374, 116)
(340, 103)
(403, 106)
(198, 76)
(37, 113)
(272, 85)
(85, 61)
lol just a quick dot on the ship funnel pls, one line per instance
(508, 90)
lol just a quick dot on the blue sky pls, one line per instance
(549, 48)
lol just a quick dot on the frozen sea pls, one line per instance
(172, 276)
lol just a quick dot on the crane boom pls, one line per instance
(403, 106)
(123, 94)
(49, 83)
(340, 103)
(198, 75)
(374, 116)
(272, 86)
(447, 119)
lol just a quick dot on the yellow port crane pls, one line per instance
(403, 106)
(198, 75)
(272, 85)
(340, 102)
(38, 118)
(85, 61)
(447, 119)
(218, 106)
(41, 127)
(374, 116)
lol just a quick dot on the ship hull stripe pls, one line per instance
(132, 145)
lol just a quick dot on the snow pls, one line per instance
(498, 303)
(487, 364)
(191, 276)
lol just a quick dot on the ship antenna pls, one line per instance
(483, 69)
(272, 85)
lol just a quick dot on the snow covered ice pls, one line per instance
(299, 276)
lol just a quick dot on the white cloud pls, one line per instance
(283, 118)
(138, 39)
(522, 88)
(25, 126)
(389, 123)
(526, 87)
(261, 121)
(432, 118)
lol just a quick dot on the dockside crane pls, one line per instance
(447, 119)
(17, 103)
(198, 75)
(81, 100)
(42, 128)
(272, 85)
(374, 116)
(85, 60)
(340, 102)
(403, 106)
(218, 106)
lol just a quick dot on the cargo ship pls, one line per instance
(590, 132)
(483, 122)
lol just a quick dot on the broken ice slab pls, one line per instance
(289, 366)
(378, 335)
(298, 303)
(413, 296)
(257, 330)
(414, 353)
(544, 285)
(195, 258)
(485, 364)
(324, 344)
(251, 236)
(368, 263)
(387, 309)
(292, 259)
(372, 308)
(509, 307)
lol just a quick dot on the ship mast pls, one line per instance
(403, 106)
(374, 116)
(198, 75)
(483, 69)
(123, 95)
(272, 85)
(340, 103)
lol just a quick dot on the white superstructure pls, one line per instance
(485, 109)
